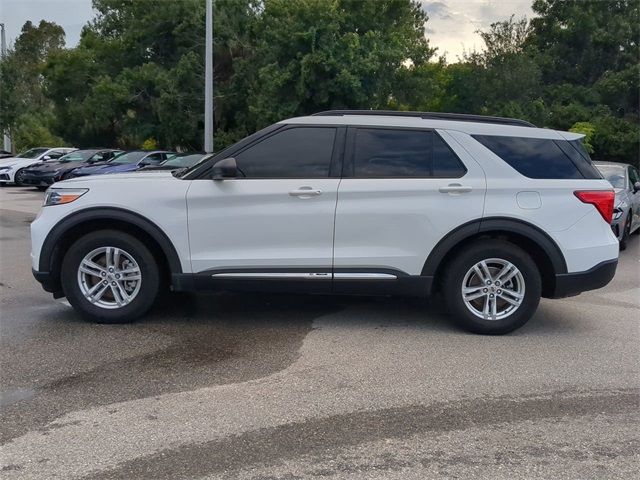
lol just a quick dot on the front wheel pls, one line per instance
(18, 178)
(492, 287)
(110, 277)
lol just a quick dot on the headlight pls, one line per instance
(6, 167)
(617, 213)
(60, 196)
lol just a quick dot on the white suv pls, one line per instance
(491, 212)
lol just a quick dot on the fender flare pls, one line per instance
(107, 213)
(495, 224)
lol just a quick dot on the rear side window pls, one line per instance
(541, 158)
(303, 152)
(395, 153)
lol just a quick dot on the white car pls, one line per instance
(491, 212)
(11, 169)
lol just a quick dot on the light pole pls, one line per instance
(208, 80)
(3, 53)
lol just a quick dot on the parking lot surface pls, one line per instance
(300, 387)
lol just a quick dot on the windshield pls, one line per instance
(33, 153)
(614, 174)
(78, 156)
(129, 157)
(180, 161)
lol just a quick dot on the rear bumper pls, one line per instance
(570, 284)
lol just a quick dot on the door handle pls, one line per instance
(305, 192)
(455, 188)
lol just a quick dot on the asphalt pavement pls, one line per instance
(225, 386)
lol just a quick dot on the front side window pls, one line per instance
(302, 152)
(633, 176)
(389, 153)
(532, 157)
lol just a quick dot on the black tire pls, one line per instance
(150, 275)
(19, 177)
(626, 232)
(465, 260)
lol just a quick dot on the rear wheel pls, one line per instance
(110, 277)
(626, 233)
(492, 287)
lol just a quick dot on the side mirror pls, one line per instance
(46, 157)
(225, 168)
(636, 187)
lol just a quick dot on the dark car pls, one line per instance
(44, 174)
(178, 161)
(5, 154)
(126, 162)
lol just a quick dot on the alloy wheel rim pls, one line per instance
(493, 289)
(109, 277)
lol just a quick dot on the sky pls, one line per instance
(451, 26)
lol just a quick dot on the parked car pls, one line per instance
(492, 212)
(178, 161)
(5, 154)
(44, 174)
(12, 168)
(626, 212)
(125, 162)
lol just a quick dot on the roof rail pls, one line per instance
(458, 117)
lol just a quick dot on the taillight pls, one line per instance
(601, 199)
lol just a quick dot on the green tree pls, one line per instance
(24, 109)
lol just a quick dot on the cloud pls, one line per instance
(452, 24)
(436, 9)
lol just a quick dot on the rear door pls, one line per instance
(274, 222)
(403, 190)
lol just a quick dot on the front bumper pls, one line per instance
(570, 284)
(38, 180)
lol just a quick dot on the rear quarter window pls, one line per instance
(541, 158)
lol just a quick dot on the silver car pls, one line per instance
(626, 183)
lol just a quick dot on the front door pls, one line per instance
(274, 222)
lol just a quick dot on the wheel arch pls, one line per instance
(68, 230)
(542, 248)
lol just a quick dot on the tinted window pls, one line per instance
(532, 157)
(446, 164)
(403, 153)
(580, 157)
(296, 152)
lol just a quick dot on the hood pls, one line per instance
(23, 162)
(119, 177)
(47, 166)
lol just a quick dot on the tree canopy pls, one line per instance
(137, 73)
